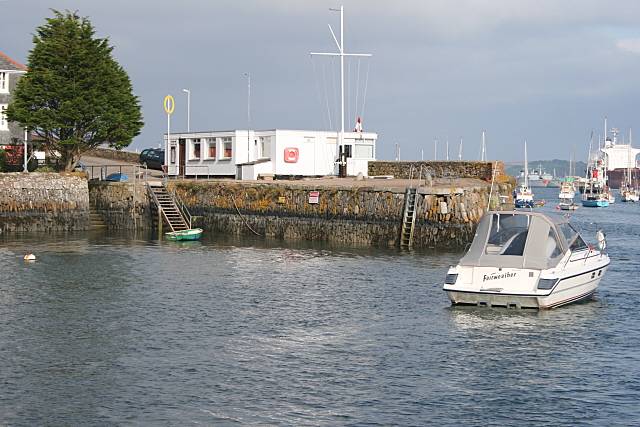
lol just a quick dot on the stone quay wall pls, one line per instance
(439, 169)
(445, 217)
(123, 205)
(43, 202)
(113, 154)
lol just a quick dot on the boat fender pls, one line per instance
(601, 239)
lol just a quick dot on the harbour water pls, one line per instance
(132, 330)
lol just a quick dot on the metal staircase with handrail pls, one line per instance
(173, 211)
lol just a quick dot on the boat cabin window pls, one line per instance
(573, 237)
(553, 248)
(508, 234)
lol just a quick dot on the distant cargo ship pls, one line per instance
(618, 158)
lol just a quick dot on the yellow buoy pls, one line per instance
(29, 257)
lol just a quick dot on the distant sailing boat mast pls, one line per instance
(526, 168)
(483, 150)
(341, 54)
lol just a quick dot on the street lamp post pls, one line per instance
(248, 115)
(188, 109)
(26, 134)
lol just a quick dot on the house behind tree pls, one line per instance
(11, 134)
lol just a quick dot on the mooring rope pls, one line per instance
(243, 218)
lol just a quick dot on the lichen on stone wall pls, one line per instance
(39, 201)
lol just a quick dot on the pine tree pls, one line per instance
(75, 96)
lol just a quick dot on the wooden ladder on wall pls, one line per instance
(167, 206)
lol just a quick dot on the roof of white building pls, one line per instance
(9, 64)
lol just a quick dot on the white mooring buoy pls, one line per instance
(29, 257)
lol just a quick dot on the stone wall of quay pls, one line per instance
(123, 205)
(445, 217)
(43, 202)
(113, 154)
(439, 169)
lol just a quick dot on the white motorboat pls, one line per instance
(526, 259)
(567, 191)
(523, 198)
(629, 194)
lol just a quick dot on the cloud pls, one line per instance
(629, 45)
(539, 70)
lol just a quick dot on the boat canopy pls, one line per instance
(516, 239)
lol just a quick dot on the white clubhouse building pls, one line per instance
(267, 153)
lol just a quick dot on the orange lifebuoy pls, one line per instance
(291, 154)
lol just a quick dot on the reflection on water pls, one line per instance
(130, 329)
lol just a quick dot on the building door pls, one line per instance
(182, 155)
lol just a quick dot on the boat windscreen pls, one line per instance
(574, 240)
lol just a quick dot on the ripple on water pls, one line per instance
(132, 330)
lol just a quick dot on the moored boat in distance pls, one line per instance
(567, 189)
(628, 189)
(567, 206)
(629, 194)
(595, 193)
(526, 259)
(523, 197)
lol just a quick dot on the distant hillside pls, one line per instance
(558, 167)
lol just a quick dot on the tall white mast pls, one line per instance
(460, 151)
(526, 169)
(341, 54)
(447, 149)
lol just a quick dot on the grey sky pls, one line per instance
(543, 71)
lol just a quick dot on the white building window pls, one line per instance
(227, 150)
(196, 148)
(4, 125)
(211, 148)
(265, 147)
(4, 82)
(363, 151)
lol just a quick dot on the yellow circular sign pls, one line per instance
(169, 104)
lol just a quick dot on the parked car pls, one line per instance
(152, 158)
(80, 168)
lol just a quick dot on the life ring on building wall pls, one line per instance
(291, 154)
